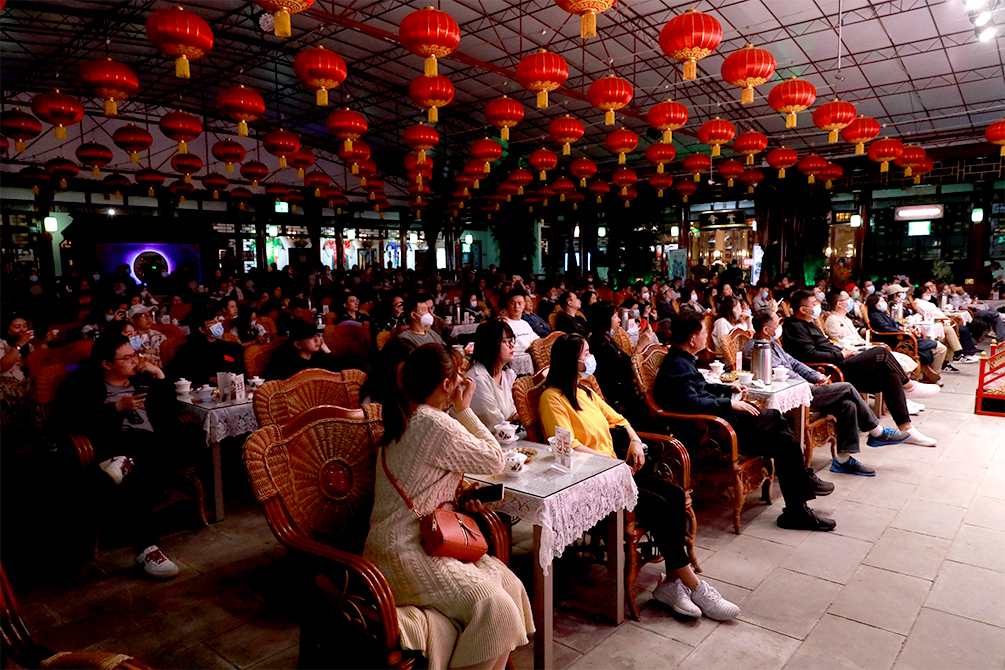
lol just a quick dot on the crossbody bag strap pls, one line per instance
(394, 483)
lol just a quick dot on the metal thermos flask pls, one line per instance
(457, 312)
(761, 360)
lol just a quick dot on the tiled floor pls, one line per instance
(913, 577)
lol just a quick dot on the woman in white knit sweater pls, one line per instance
(428, 453)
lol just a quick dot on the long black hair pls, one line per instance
(417, 377)
(488, 339)
(564, 371)
(598, 317)
(725, 308)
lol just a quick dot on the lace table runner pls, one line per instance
(220, 421)
(795, 393)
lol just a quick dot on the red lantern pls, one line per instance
(621, 142)
(180, 34)
(926, 166)
(215, 182)
(503, 113)
(301, 160)
(242, 105)
(94, 156)
(624, 178)
(689, 38)
(372, 186)
(487, 151)
(831, 172)
(117, 183)
(834, 116)
(132, 139)
(730, 169)
(860, 131)
(418, 168)
(475, 170)
(545, 193)
(521, 177)
(542, 160)
(685, 188)
(599, 188)
(186, 164)
(747, 68)
(34, 177)
(660, 182)
(715, 133)
(19, 126)
(750, 143)
(241, 196)
(583, 169)
(421, 138)
(696, 164)
(885, 150)
(359, 153)
(281, 143)
(565, 130)
(575, 198)
(609, 94)
(229, 152)
(782, 158)
(627, 194)
(255, 172)
(152, 179)
(180, 127)
(508, 190)
(811, 166)
(912, 157)
(278, 191)
(660, 154)
(995, 134)
(181, 188)
(59, 109)
(4, 145)
(431, 93)
(62, 169)
(430, 34)
(563, 186)
(281, 10)
(667, 116)
(587, 11)
(111, 80)
(367, 168)
(541, 72)
(791, 96)
(346, 125)
(320, 70)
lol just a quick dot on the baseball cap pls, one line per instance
(894, 289)
(302, 330)
(139, 309)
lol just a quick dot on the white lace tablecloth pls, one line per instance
(783, 396)
(222, 420)
(463, 329)
(522, 364)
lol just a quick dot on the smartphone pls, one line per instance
(487, 494)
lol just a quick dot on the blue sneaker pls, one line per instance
(888, 436)
(851, 467)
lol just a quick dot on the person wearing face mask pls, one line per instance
(931, 353)
(762, 300)
(868, 287)
(614, 366)
(839, 399)
(665, 304)
(474, 309)
(874, 370)
(599, 430)
(420, 322)
(693, 303)
(548, 302)
(206, 353)
(731, 322)
(961, 345)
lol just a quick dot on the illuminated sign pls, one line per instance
(916, 228)
(918, 212)
(282, 207)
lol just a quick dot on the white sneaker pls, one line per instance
(921, 390)
(117, 468)
(156, 564)
(969, 359)
(713, 605)
(677, 596)
(914, 408)
(915, 436)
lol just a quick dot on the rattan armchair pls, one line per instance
(540, 349)
(279, 401)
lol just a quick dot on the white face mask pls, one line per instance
(591, 366)
(777, 335)
(216, 330)
(764, 295)
(426, 320)
(136, 342)
(635, 313)
(474, 303)
(694, 297)
(870, 289)
(816, 310)
(645, 295)
(881, 305)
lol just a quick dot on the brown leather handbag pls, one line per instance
(444, 532)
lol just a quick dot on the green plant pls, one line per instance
(942, 272)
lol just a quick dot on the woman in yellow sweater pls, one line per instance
(599, 430)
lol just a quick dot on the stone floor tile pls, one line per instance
(741, 646)
(969, 591)
(827, 556)
(839, 644)
(929, 518)
(284, 660)
(883, 599)
(946, 490)
(256, 641)
(864, 522)
(941, 640)
(746, 561)
(662, 620)
(765, 528)
(992, 486)
(891, 466)
(580, 631)
(523, 657)
(883, 493)
(908, 553)
(963, 446)
(789, 602)
(109, 620)
(631, 647)
(986, 512)
(198, 656)
(978, 546)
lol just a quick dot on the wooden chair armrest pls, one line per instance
(667, 450)
(84, 450)
(829, 369)
(707, 423)
(497, 534)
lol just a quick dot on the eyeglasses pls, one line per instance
(511, 341)
(130, 357)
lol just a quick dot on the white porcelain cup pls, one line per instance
(780, 374)
(505, 432)
(514, 463)
(716, 367)
(744, 377)
(182, 386)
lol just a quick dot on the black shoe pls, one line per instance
(804, 519)
(820, 487)
(947, 367)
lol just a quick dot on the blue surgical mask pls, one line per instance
(611, 333)
(764, 295)
(216, 330)
(856, 295)
(474, 303)
(136, 342)
(591, 366)
(816, 311)
(109, 317)
(635, 313)
(881, 305)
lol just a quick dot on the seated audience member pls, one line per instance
(395, 318)
(540, 326)
(549, 301)
(439, 325)
(664, 303)
(732, 322)
(839, 399)
(693, 304)
(306, 349)
(681, 388)
(123, 405)
(247, 328)
(426, 453)
(515, 303)
(205, 354)
(962, 345)
(350, 310)
(839, 327)
(762, 300)
(589, 298)
(228, 313)
(614, 367)
(931, 354)
(568, 320)
(663, 329)
(17, 342)
(474, 309)
(598, 429)
(871, 371)
(420, 322)
(493, 398)
(150, 338)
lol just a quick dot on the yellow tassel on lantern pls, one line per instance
(283, 26)
(293, 208)
(433, 115)
(509, 198)
(832, 137)
(667, 136)
(884, 167)
(111, 109)
(418, 215)
(418, 179)
(627, 204)
(859, 149)
(624, 190)
(422, 156)
(566, 149)
(475, 184)
(96, 171)
(542, 99)
(530, 209)
(216, 195)
(908, 172)
(242, 128)
(621, 159)
(183, 147)
(790, 120)
(697, 176)
(62, 183)
(339, 210)
(828, 185)
(729, 184)
(317, 193)
(519, 190)
(811, 179)
(561, 197)
(461, 206)
(599, 200)
(282, 161)
(542, 175)
(486, 168)
(134, 157)
(188, 179)
(150, 192)
(917, 180)
(181, 200)
(300, 173)
(609, 117)
(750, 189)
(322, 97)
(1001, 152)
(781, 173)
(582, 182)
(685, 197)
(659, 194)
(254, 183)
(34, 190)
(716, 150)
(690, 72)
(504, 133)
(750, 159)
(466, 192)
(575, 206)
(544, 202)
(19, 145)
(588, 25)
(748, 96)
(362, 181)
(229, 167)
(181, 67)
(659, 168)
(373, 196)
(60, 132)
(429, 66)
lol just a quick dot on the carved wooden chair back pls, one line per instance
(257, 356)
(540, 349)
(527, 397)
(279, 401)
(623, 341)
(170, 330)
(67, 356)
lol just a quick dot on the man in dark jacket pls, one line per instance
(206, 353)
(306, 349)
(681, 388)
